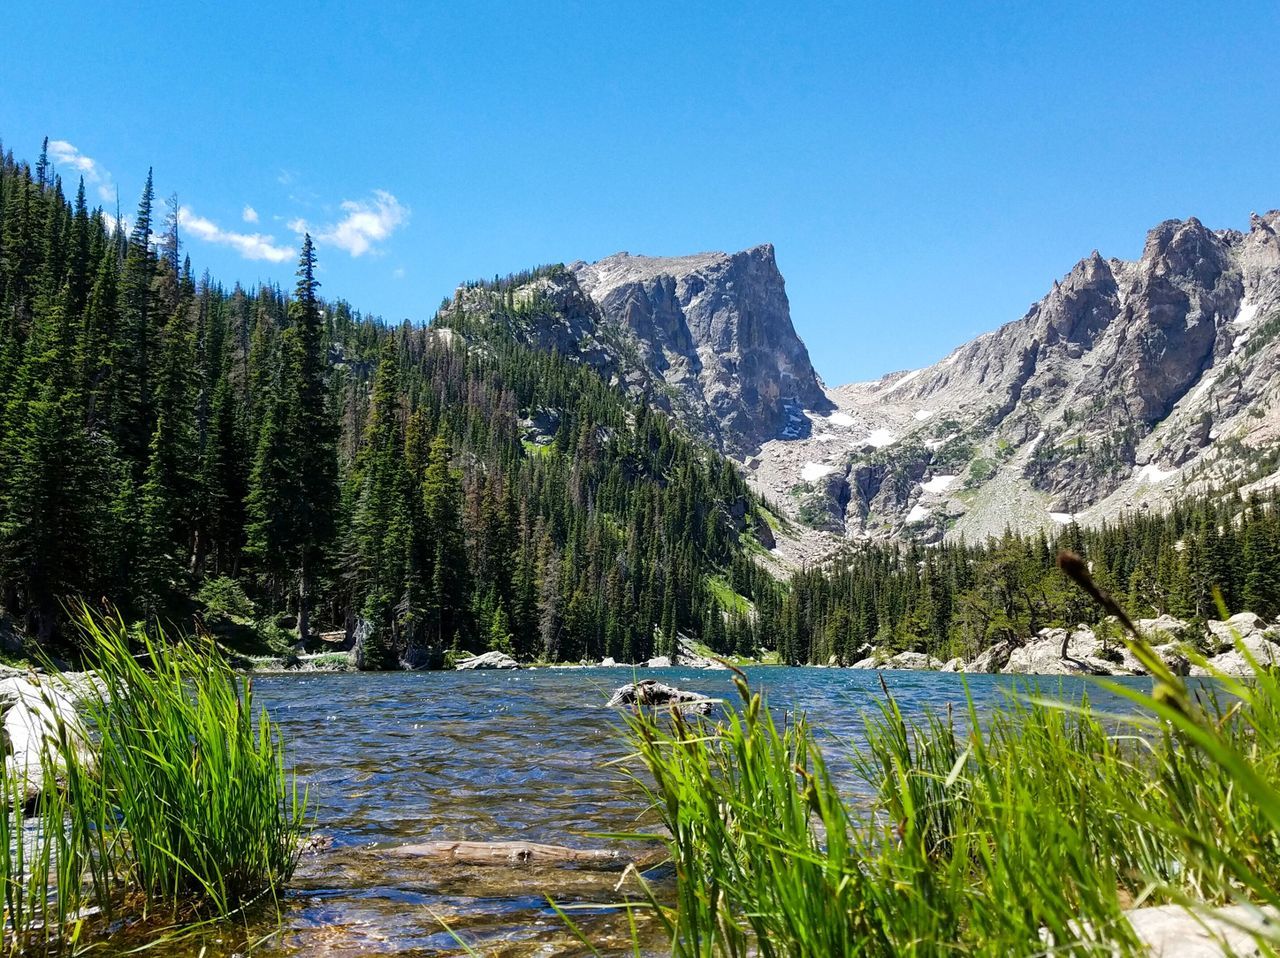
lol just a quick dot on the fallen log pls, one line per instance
(509, 853)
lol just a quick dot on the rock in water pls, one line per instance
(489, 660)
(658, 662)
(650, 694)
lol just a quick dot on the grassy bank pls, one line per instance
(1028, 831)
(174, 807)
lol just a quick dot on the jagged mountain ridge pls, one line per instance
(717, 327)
(1128, 384)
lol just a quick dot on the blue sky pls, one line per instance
(924, 170)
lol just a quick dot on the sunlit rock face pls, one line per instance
(716, 329)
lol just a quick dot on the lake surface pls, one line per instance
(393, 759)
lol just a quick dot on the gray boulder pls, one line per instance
(38, 713)
(1043, 655)
(913, 662)
(489, 660)
(1164, 629)
(1246, 625)
(991, 660)
(1234, 662)
(658, 662)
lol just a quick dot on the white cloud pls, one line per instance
(398, 273)
(110, 221)
(248, 245)
(65, 154)
(366, 224)
(249, 215)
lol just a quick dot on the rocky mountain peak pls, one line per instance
(1129, 383)
(717, 329)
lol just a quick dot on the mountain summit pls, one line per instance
(715, 329)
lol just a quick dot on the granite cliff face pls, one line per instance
(716, 329)
(706, 338)
(1128, 384)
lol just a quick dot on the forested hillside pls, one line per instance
(955, 600)
(281, 462)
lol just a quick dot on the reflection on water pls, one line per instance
(396, 758)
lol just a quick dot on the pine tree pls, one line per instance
(316, 445)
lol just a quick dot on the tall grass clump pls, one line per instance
(1031, 829)
(177, 808)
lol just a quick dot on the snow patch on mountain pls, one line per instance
(1153, 473)
(938, 484)
(880, 438)
(813, 471)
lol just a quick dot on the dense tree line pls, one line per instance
(171, 445)
(956, 599)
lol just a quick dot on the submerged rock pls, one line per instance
(489, 660)
(650, 694)
(511, 853)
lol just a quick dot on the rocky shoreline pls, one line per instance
(1087, 650)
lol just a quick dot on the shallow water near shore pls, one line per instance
(393, 759)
